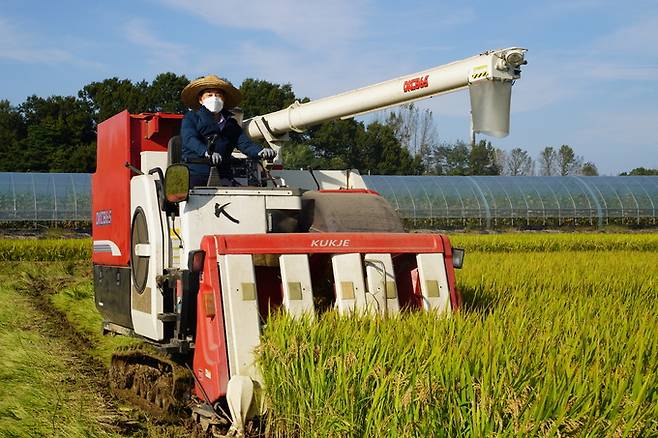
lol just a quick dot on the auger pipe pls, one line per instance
(501, 64)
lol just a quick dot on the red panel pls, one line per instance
(110, 189)
(210, 362)
(335, 243)
(121, 139)
(455, 295)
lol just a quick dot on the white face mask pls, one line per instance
(213, 103)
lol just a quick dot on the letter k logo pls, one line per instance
(219, 210)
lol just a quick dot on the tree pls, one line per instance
(567, 161)
(335, 143)
(640, 171)
(60, 136)
(380, 152)
(301, 156)
(519, 162)
(262, 97)
(482, 160)
(548, 161)
(163, 94)
(112, 96)
(500, 158)
(415, 131)
(452, 159)
(589, 169)
(12, 130)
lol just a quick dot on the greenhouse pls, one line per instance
(422, 201)
(493, 201)
(45, 197)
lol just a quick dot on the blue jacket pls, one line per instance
(200, 125)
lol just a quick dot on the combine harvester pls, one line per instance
(195, 271)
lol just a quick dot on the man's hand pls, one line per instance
(267, 154)
(216, 158)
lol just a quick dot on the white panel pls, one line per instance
(143, 194)
(240, 301)
(283, 202)
(382, 296)
(296, 280)
(348, 280)
(152, 159)
(205, 215)
(433, 282)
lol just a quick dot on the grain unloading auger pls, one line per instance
(195, 272)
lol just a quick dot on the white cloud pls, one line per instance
(623, 72)
(339, 70)
(22, 47)
(640, 38)
(166, 55)
(309, 24)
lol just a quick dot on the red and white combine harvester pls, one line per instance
(195, 271)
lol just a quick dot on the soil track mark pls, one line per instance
(72, 384)
(87, 371)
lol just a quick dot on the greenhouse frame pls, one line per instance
(422, 201)
(39, 197)
(493, 201)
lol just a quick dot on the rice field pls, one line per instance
(15, 250)
(558, 336)
(550, 342)
(80, 249)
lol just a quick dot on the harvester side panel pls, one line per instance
(210, 353)
(455, 296)
(110, 187)
(122, 138)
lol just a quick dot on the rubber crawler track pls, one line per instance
(152, 381)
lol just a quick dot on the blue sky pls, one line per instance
(591, 81)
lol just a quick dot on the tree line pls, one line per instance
(58, 134)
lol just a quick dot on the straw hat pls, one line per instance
(190, 94)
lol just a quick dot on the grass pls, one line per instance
(548, 344)
(41, 389)
(49, 392)
(67, 287)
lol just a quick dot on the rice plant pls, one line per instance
(13, 250)
(561, 343)
(544, 242)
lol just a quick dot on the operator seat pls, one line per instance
(175, 156)
(174, 150)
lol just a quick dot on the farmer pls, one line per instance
(209, 122)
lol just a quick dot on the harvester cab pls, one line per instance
(196, 271)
